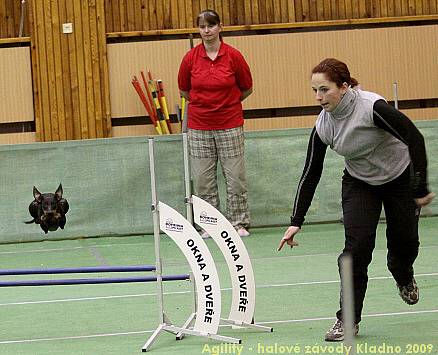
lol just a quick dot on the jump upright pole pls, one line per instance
(165, 324)
(188, 190)
(189, 217)
(237, 317)
(158, 264)
(162, 318)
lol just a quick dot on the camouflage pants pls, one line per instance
(226, 146)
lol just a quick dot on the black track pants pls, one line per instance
(362, 205)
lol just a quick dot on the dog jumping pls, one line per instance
(48, 210)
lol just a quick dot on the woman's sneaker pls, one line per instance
(337, 331)
(409, 293)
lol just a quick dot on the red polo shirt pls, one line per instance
(215, 87)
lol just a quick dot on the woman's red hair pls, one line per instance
(336, 71)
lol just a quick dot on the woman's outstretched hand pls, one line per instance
(288, 237)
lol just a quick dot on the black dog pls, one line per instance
(48, 210)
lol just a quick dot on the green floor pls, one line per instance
(297, 294)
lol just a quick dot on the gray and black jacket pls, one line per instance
(377, 142)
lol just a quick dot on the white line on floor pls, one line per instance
(266, 322)
(130, 244)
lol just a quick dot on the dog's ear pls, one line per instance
(58, 192)
(37, 194)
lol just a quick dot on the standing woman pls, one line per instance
(385, 163)
(214, 77)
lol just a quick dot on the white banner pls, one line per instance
(202, 264)
(236, 256)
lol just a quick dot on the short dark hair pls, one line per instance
(210, 16)
(336, 71)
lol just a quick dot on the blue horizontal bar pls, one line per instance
(91, 281)
(78, 270)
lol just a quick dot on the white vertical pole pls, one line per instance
(348, 301)
(156, 222)
(188, 192)
(395, 95)
(188, 201)
(22, 16)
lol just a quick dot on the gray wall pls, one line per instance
(107, 182)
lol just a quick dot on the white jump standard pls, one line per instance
(205, 319)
